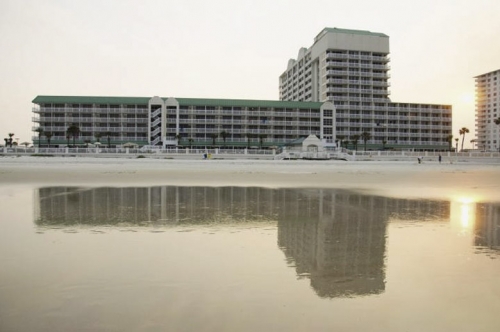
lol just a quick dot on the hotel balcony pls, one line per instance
(70, 120)
(44, 109)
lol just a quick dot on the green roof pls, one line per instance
(247, 103)
(182, 101)
(89, 100)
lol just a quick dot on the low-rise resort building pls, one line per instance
(336, 90)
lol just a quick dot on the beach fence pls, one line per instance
(427, 156)
(230, 153)
(184, 153)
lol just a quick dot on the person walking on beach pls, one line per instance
(439, 158)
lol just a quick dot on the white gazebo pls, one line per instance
(310, 147)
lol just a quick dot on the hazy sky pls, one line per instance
(231, 48)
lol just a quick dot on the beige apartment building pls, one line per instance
(350, 68)
(487, 111)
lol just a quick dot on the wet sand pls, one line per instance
(247, 259)
(394, 178)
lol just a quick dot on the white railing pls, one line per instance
(156, 122)
(156, 141)
(332, 154)
(156, 131)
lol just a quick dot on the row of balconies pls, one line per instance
(123, 110)
(348, 133)
(392, 126)
(423, 107)
(390, 117)
(381, 124)
(314, 113)
(182, 111)
(261, 125)
(357, 74)
(239, 121)
(356, 56)
(271, 120)
(361, 99)
(267, 123)
(93, 129)
(246, 131)
(87, 119)
(44, 110)
(354, 90)
(345, 64)
(103, 140)
(358, 82)
(385, 108)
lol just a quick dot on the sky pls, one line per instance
(231, 49)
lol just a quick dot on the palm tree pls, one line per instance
(214, 137)
(449, 139)
(98, 137)
(6, 142)
(74, 131)
(341, 139)
(49, 136)
(249, 137)
(108, 135)
(178, 137)
(384, 142)
(190, 140)
(366, 136)
(497, 122)
(473, 142)
(10, 138)
(67, 138)
(463, 131)
(262, 137)
(224, 134)
(39, 130)
(456, 144)
(354, 140)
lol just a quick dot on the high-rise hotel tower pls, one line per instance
(351, 69)
(488, 110)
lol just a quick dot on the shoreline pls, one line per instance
(388, 178)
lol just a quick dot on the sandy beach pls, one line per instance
(394, 178)
(135, 248)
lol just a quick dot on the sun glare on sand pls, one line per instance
(463, 210)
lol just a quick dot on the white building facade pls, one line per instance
(487, 111)
(192, 122)
(350, 68)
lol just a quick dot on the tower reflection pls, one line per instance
(335, 238)
(487, 226)
(338, 238)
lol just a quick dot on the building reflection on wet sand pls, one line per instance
(487, 226)
(336, 238)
